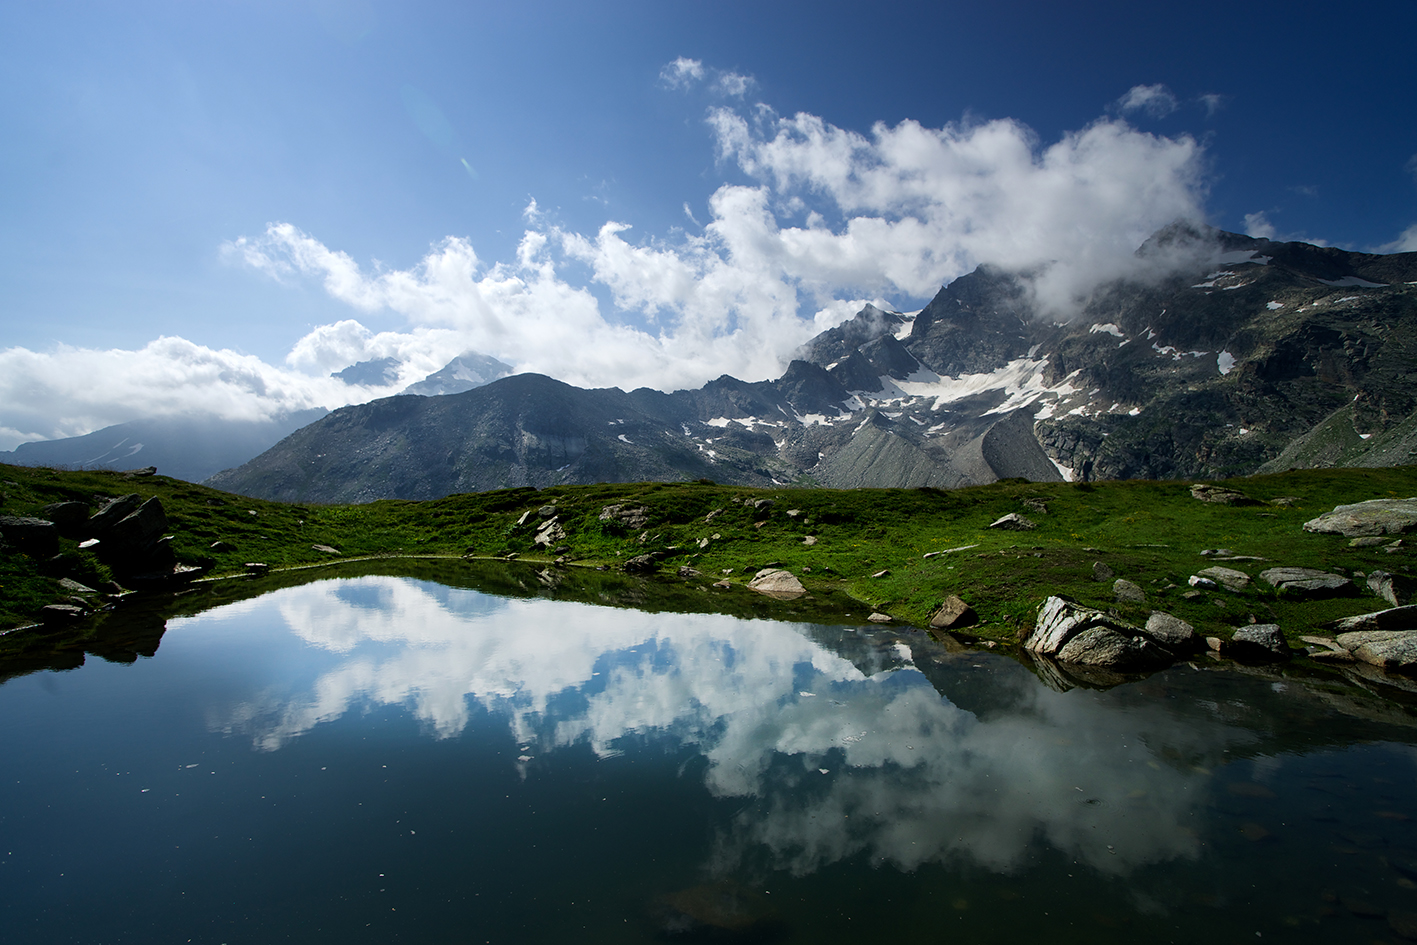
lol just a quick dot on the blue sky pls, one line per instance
(211, 206)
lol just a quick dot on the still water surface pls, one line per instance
(385, 759)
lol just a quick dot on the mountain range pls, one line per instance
(1219, 355)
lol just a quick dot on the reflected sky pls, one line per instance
(833, 756)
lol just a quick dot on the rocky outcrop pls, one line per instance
(1374, 517)
(626, 516)
(1071, 633)
(1394, 618)
(1392, 650)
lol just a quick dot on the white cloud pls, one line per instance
(831, 217)
(1257, 225)
(1156, 100)
(1212, 103)
(682, 72)
(1405, 243)
(734, 84)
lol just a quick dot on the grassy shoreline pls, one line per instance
(1150, 533)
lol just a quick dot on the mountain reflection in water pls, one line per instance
(383, 758)
(876, 760)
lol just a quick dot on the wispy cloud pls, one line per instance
(682, 72)
(1155, 100)
(1212, 103)
(1257, 225)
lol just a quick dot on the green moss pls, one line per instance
(1150, 533)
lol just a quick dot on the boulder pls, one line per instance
(1374, 517)
(1228, 578)
(68, 517)
(879, 618)
(1387, 649)
(1307, 583)
(1394, 618)
(111, 513)
(641, 564)
(1258, 641)
(777, 583)
(52, 614)
(1072, 633)
(1172, 632)
(325, 549)
(35, 537)
(136, 532)
(1219, 495)
(1393, 588)
(1205, 583)
(628, 516)
(1101, 573)
(953, 613)
(1013, 522)
(1127, 592)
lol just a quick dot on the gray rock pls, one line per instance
(764, 503)
(36, 537)
(1103, 646)
(325, 549)
(1394, 618)
(629, 516)
(1126, 591)
(222, 546)
(777, 583)
(111, 513)
(1014, 522)
(1386, 649)
(51, 614)
(1070, 632)
(809, 540)
(1393, 588)
(1101, 573)
(138, 531)
(1257, 641)
(1216, 552)
(1228, 578)
(1307, 583)
(1219, 495)
(546, 511)
(953, 613)
(1171, 632)
(1205, 583)
(74, 587)
(550, 533)
(1369, 541)
(1374, 517)
(641, 564)
(68, 517)
(879, 618)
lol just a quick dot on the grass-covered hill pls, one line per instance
(1150, 533)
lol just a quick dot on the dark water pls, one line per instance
(384, 759)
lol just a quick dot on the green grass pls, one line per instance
(1148, 532)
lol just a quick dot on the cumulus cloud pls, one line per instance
(827, 219)
(1155, 100)
(734, 84)
(1405, 243)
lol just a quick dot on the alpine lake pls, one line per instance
(468, 753)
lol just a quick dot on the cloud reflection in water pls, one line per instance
(909, 776)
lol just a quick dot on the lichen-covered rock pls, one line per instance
(628, 516)
(1394, 650)
(777, 583)
(1374, 517)
(1172, 632)
(1228, 578)
(1306, 583)
(1070, 632)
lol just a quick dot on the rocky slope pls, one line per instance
(1233, 355)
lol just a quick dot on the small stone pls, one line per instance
(780, 584)
(257, 567)
(882, 573)
(1228, 578)
(325, 549)
(1214, 643)
(809, 540)
(1013, 522)
(879, 618)
(1217, 552)
(1101, 573)
(1205, 583)
(725, 585)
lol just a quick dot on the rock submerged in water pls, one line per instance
(1374, 517)
(774, 582)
